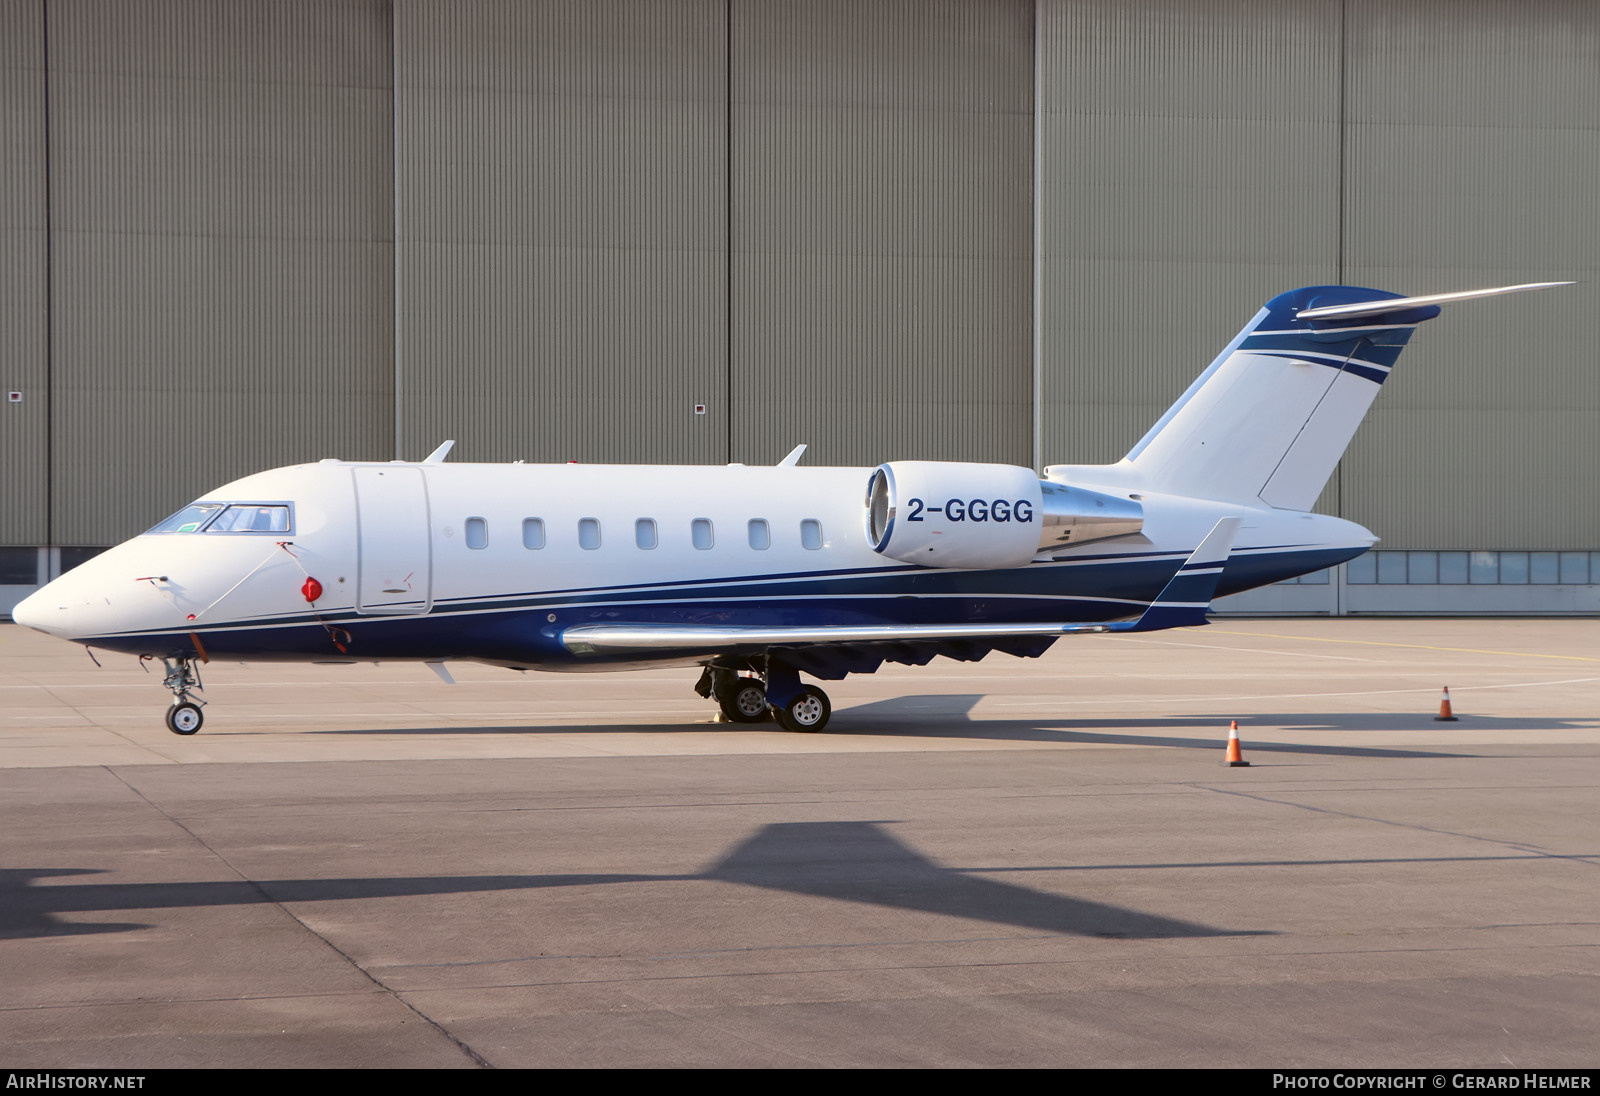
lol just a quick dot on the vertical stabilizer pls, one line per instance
(1270, 418)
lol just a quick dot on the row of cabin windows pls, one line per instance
(645, 535)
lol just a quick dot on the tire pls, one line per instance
(184, 719)
(806, 713)
(745, 701)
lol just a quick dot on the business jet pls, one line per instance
(756, 575)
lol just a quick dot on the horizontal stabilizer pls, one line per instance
(1188, 594)
(1401, 304)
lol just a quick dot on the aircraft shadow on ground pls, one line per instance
(847, 861)
(949, 715)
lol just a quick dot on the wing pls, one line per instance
(833, 652)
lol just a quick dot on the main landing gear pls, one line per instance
(808, 711)
(747, 699)
(743, 699)
(184, 716)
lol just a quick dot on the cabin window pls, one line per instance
(700, 533)
(250, 519)
(589, 533)
(533, 533)
(811, 534)
(477, 533)
(644, 533)
(760, 534)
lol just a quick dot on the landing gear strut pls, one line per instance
(184, 716)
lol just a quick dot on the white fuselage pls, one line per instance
(492, 562)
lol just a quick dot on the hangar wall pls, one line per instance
(881, 294)
(561, 182)
(1473, 136)
(1189, 168)
(24, 285)
(220, 247)
(242, 233)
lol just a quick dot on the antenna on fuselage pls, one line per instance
(794, 456)
(438, 455)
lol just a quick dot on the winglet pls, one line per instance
(1187, 596)
(794, 456)
(438, 455)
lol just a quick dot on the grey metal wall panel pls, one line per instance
(1189, 171)
(882, 198)
(555, 354)
(315, 43)
(24, 427)
(1474, 146)
(223, 258)
(864, 365)
(561, 190)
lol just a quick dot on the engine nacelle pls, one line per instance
(948, 514)
(943, 514)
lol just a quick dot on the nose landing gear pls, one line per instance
(184, 716)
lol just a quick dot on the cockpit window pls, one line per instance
(191, 519)
(251, 519)
(220, 517)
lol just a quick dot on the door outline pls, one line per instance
(370, 516)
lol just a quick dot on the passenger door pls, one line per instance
(395, 573)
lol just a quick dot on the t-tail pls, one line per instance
(1269, 419)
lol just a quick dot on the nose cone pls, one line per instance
(42, 612)
(79, 604)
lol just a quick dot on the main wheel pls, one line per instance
(809, 711)
(184, 719)
(745, 701)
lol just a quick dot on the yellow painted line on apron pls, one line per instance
(1414, 646)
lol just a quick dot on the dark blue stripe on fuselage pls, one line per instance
(522, 632)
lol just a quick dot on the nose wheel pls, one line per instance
(184, 716)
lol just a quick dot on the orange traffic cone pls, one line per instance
(1445, 715)
(1235, 759)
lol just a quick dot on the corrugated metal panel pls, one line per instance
(882, 248)
(24, 427)
(1474, 147)
(1189, 172)
(561, 194)
(223, 264)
